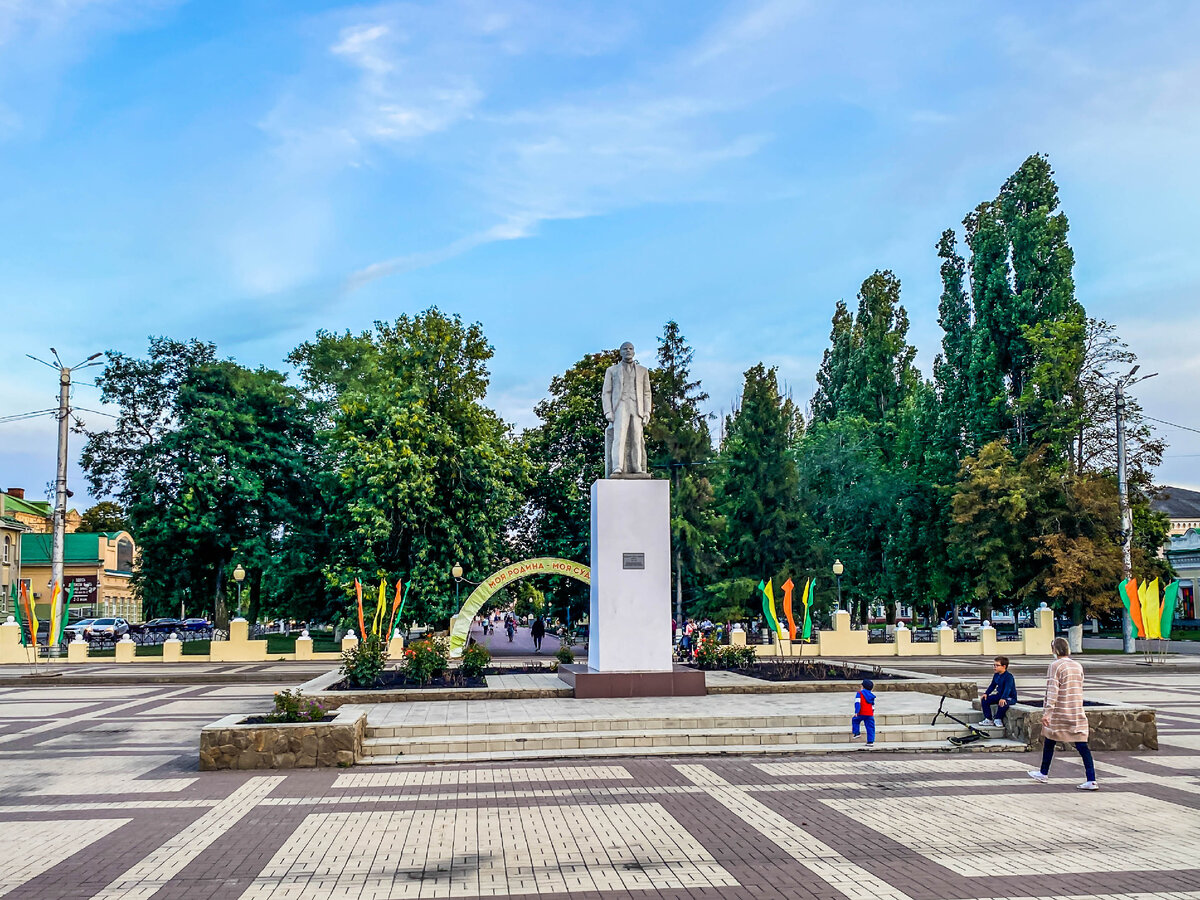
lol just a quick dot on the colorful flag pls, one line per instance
(769, 605)
(362, 628)
(395, 616)
(1134, 604)
(31, 619)
(787, 608)
(1168, 608)
(807, 599)
(66, 611)
(52, 630)
(1151, 610)
(17, 611)
(377, 619)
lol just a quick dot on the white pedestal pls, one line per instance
(630, 623)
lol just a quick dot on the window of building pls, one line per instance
(7, 544)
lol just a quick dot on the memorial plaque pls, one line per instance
(633, 560)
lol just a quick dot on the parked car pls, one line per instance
(78, 629)
(969, 625)
(156, 626)
(196, 625)
(107, 630)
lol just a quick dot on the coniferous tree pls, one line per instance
(679, 441)
(757, 490)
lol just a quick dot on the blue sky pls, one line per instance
(572, 175)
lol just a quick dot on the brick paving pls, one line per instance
(100, 797)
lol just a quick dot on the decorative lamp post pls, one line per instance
(239, 575)
(457, 572)
(838, 569)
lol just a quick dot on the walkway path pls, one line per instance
(100, 797)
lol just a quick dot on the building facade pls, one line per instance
(1180, 505)
(36, 515)
(100, 565)
(1183, 553)
(11, 531)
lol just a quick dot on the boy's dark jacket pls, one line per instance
(1003, 687)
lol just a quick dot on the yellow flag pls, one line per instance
(377, 619)
(1154, 625)
(52, 635)
(1150, 619)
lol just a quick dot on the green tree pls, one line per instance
(104, 516)
(990, 531)
(566, 454)
(679, 441)
(868, 369)
(421, 475)
(758, 489)
(206, 456)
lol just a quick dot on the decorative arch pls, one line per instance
(545, 565)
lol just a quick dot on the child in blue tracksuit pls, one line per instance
(864, 712)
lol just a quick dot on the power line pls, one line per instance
(33, 414)
(1172, 424)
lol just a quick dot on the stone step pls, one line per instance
(922, 746)
(638, 726)
(554, 742)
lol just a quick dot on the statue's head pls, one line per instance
(627, 352)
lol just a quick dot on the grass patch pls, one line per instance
(323, 642)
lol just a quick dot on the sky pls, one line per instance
(571, 175)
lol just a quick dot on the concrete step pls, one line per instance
(638, 726)
(924, 746)
(555, 742)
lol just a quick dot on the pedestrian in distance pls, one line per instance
(1002, 693)
(864, 713)
(1063, 718)
(537, 631)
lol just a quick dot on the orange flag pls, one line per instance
(787, 608)
(1135, 607)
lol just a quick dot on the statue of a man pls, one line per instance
(626, 401)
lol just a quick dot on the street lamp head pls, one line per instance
(838, 568)
(457, 571)
(239, 574)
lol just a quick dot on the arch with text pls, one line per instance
(545, 565)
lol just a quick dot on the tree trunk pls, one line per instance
(985, 610)
(256, 577)
(220, 612)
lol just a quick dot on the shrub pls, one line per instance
(363, 665)
(293, 706)
(564, 655)
(426, 660)
(737, 657)
(708, 653)
(474, 660)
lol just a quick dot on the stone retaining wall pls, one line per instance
(1112, 726)
(230, 744)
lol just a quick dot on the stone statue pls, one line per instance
(626, 401)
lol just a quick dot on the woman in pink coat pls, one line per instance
(1063, 718)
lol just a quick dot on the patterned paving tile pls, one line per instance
(44, 843)
(490, 852)
(1032, 832)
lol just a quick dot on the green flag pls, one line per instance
(66, 612)
(1124, 596)
(1168, 608)
(20, 618)
(806, 634)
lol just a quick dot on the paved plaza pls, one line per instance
(100, 797)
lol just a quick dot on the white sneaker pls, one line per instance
(1088, 786)
(1037, 775)
(999, 723)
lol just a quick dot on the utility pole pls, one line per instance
(1128, 637)
(59, 522)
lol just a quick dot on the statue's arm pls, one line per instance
(606, 395)
(648, 394)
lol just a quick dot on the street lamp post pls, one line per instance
(457, 572)
(239, 575)
(1128, 635)
(838, 569)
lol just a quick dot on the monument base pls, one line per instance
(680, 681)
